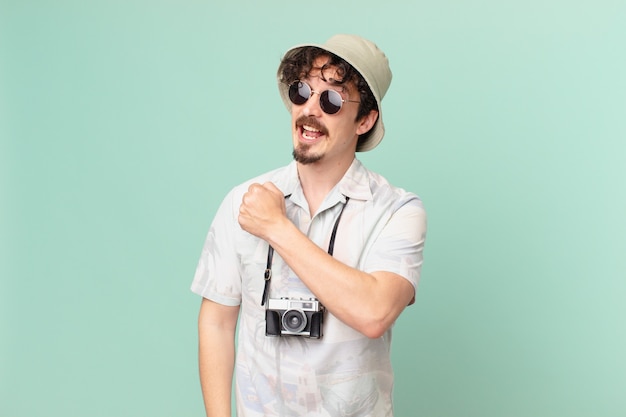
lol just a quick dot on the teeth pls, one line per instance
(310, 129)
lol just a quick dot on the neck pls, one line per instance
(318, 179)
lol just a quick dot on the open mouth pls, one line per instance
(310, 129)
(310, 133)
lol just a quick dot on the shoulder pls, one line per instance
(383, 193)
(281, 177)
(228, 211)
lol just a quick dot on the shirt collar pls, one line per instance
(354, 184)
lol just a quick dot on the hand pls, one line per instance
(262, 209)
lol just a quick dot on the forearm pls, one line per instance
(216, 370)
(216, 358)
(380, 296)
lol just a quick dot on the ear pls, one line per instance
(367, 122)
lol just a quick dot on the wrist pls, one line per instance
(280, 233)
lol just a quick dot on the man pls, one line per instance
(316, 259)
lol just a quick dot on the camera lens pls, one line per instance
(294, 321)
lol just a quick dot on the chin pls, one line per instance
(302, 155)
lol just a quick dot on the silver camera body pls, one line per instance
(294, 317)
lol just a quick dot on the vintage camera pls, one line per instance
(294, 317)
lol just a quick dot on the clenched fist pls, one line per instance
(262, 209)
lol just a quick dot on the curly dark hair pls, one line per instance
(297, 66)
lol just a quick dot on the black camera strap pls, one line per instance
(270, 254)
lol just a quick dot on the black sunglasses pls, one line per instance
(330, 100)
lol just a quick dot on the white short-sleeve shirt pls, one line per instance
(344, 373)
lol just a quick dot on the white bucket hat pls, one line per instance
(369, 61)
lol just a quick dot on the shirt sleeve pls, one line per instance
(399, 247)
(217, 276)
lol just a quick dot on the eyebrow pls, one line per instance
(338, 85)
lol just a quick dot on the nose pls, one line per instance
(312, 106)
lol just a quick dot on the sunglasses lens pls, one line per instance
(330, 101)
(299, 92)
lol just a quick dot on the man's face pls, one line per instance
(320, 137)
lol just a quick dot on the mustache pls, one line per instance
(311, 121)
